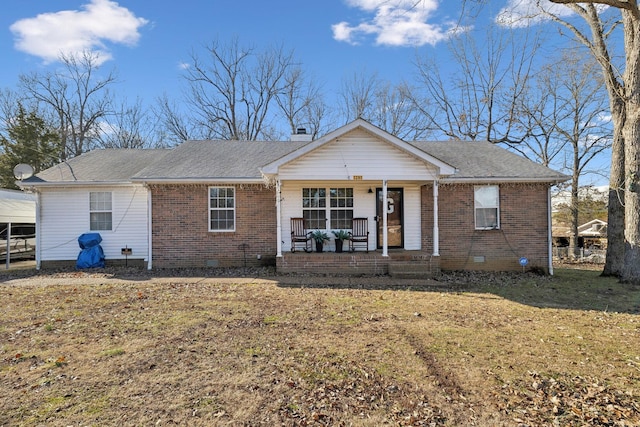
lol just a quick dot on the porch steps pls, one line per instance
(410, 269)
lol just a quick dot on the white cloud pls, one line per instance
(394, 23)
(74, 31)
(520, 13)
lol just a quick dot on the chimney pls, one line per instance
(301, 135)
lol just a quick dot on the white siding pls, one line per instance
(364, 206)
(412, 218)
(64, 216)
(357, 153)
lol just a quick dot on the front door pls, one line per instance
(394, 211)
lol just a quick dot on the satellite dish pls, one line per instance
(22, 171)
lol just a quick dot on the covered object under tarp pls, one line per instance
(17, 207)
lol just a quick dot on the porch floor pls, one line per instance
(400, 263)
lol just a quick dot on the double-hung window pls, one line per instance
(222, 209)
(314, 207)
(100, 213)
(487, 207)
(336, 204)
(341, 201)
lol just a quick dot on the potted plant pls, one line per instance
(319, 236)
(341, 236)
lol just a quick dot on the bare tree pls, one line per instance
(623, 87)
(175, 126)
(231, 92)
(357, 96)
(390, 107)
(77, 97)
(580, 111)
(130, 126)
(396, 113)
(301, 102)
(479, 98)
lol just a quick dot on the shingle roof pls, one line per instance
(242, 160)
(484, 160)
(104, 165)
(217, 160)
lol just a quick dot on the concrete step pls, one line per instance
(410, 270)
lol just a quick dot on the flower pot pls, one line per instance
(319, 246)
(339, 245)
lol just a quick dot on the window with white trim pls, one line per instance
(487, 207)
(338, 208)
(314, 207)
(341, 202)
(222, 209)
(100, 211)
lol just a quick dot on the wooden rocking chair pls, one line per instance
(359, 234)
(299, 236)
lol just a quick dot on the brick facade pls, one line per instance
(523, 228)
(180, 236)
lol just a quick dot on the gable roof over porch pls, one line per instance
(358, 150)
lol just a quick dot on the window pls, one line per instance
(100, 210)
(486, 201)
(314, 207)
(341, 202)
(222, 209)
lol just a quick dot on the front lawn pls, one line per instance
(471, 350)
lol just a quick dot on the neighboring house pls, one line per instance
(592, 234)
(447, 205)
(17, 223)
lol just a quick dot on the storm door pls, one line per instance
(394, 210)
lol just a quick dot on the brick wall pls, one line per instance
(180, 236)
(523, 228)
(347, 263)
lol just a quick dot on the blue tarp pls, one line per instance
(91, 255)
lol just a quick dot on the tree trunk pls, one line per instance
(614, 262)
(631, 133)
(573, 237)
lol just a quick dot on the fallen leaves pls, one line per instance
(568, 401)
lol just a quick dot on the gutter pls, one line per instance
(211, 180)
(502, 180)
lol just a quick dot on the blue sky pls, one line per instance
(147, 41)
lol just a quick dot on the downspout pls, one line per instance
(385, 210)
(549, 231)
(149, 231)
(436, 229)
(278, 220)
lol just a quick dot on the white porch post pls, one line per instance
(436, 231)
(278, 220)
(385, 209)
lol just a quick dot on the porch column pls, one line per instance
(278, 220)
(436, 231)
(385, 212)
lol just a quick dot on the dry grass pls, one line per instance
(475, 350)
